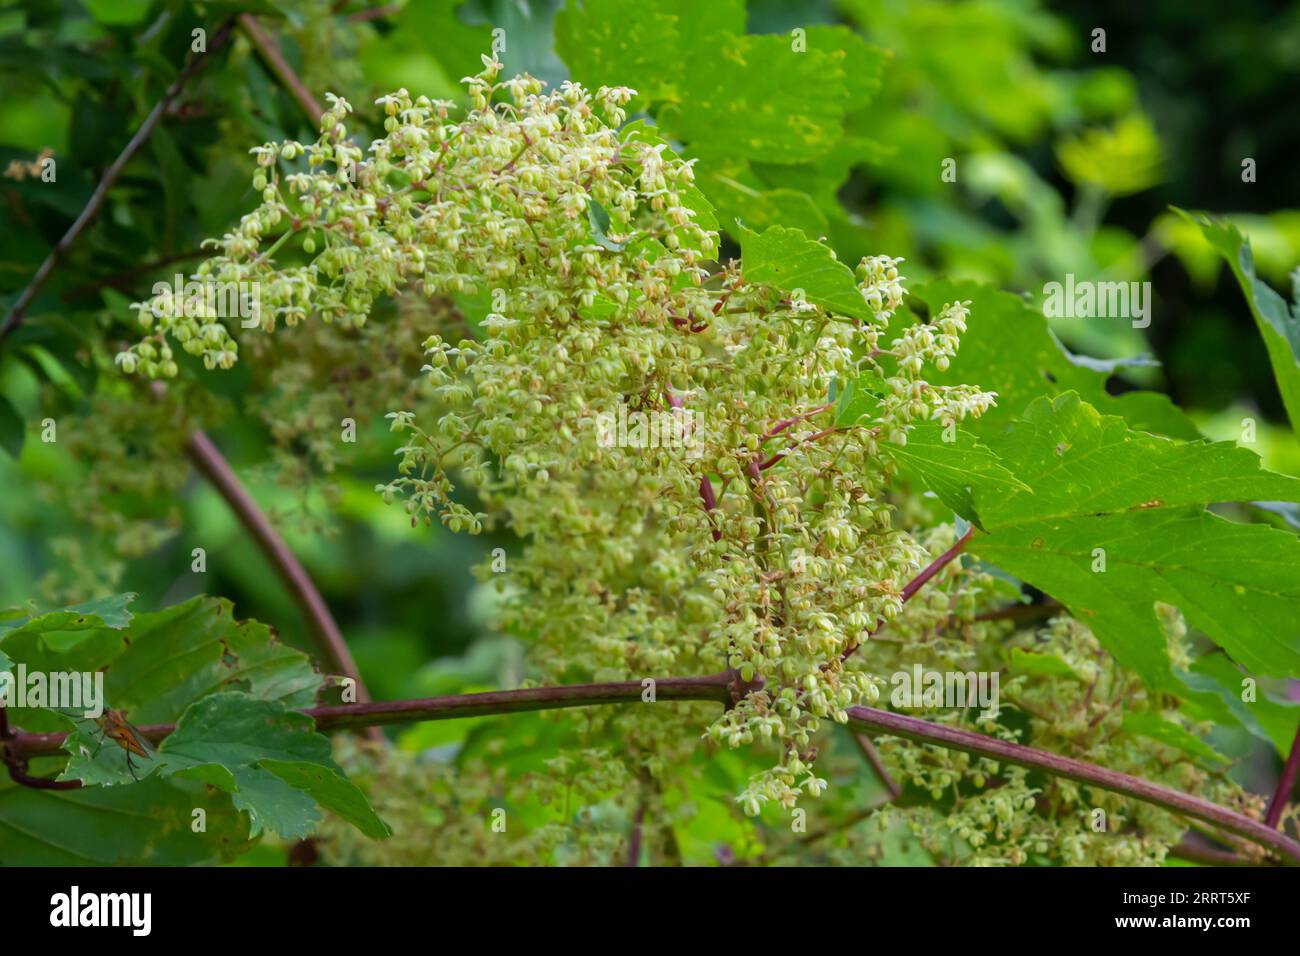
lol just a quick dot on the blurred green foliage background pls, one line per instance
(1066, 158)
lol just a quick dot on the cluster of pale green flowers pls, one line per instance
(472, 813)
(318, 390)
(758, 540)
(1060, 691)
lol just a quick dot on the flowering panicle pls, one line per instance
(761, 542)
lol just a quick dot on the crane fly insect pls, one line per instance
(113, 726)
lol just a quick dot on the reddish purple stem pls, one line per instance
(1285, 785)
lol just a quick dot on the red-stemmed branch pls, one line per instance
(213, 465)
(982, 745)
(789, 422)
(269, 50)
(88, 214)
(707, 495)
(1285, 785)
(935, 566)
(722, 688)
(872, 756)
(204, 454)
(918, 582)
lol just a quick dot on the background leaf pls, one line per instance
(1278, 323)
(148, 824)
(1097, 484)
(1009, 349)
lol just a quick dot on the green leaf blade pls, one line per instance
(1278, 323)
(787, 259)
(953, 470)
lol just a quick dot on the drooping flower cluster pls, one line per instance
(1076, 700)
(759, 541)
